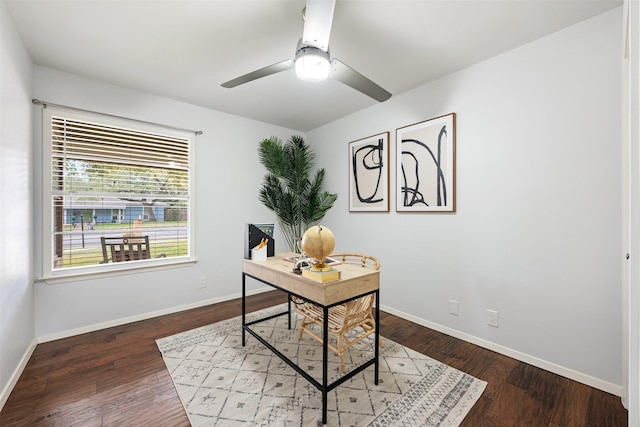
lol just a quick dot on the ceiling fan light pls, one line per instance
(312, 64)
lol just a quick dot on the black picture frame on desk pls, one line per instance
(266, 228)
(254, 234)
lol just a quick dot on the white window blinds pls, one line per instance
(119, 181)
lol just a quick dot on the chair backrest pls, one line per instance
(122, 249)
(358, 310)
(364, 261)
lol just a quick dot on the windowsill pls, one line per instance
(65, 277)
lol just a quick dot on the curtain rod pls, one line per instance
(45, 103)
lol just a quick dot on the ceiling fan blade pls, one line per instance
(257, 74)
(350, 77)
(318, 17)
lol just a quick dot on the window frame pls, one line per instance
(52, 276)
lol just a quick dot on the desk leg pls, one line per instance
(325, 360)
(377, 339)
(289, 309)
(244, 286)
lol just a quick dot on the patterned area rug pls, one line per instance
(222, 383)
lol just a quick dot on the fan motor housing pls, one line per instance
(312, 63)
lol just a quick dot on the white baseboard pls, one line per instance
(144, 316)
(523, 357)
(17, 372)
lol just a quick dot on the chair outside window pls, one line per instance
(353, 315)
(123, 249)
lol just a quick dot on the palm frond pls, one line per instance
(287, 190)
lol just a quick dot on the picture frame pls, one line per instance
(266, 228)
(369, 174)
(426, 166)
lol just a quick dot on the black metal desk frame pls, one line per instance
(324, 388)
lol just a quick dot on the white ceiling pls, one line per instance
(184, 49)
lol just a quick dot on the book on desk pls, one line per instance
(321, 276)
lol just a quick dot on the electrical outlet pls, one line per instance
(492, 318)
(454, 307)
(203, 282)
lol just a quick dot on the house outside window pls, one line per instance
(106, 177)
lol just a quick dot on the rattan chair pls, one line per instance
(355, 314)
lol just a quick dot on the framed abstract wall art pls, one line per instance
(369, 174)
(425, 166)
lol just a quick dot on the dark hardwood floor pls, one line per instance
(117, 377)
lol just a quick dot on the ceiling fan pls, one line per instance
(312, 60)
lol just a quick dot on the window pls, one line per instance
(113, 178)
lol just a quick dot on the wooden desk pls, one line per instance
(354, 282)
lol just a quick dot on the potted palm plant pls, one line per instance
(288, 188)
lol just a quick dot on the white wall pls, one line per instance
(228, 175)
(16, 208)
(537, 233)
